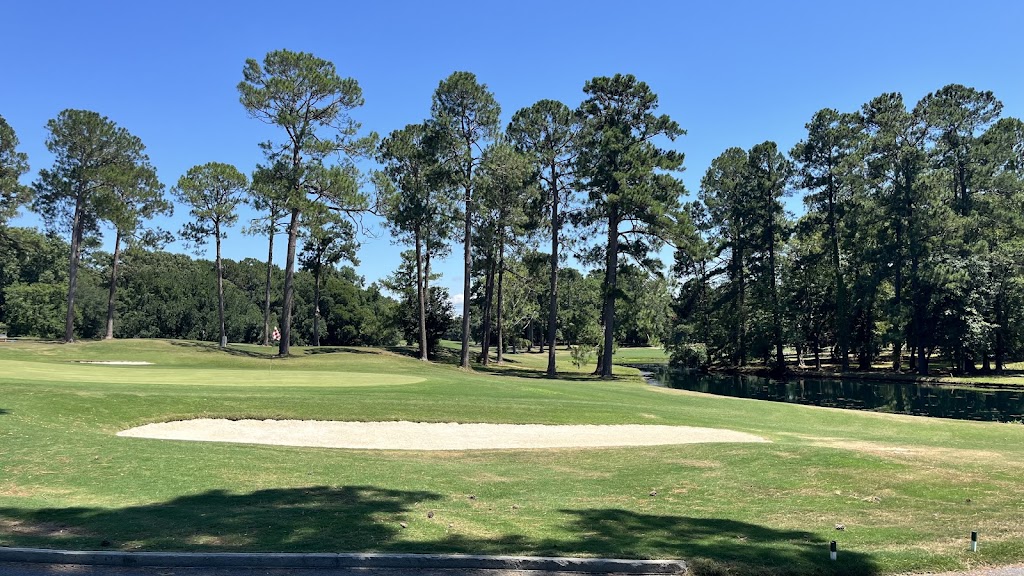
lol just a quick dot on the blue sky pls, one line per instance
(731, 73)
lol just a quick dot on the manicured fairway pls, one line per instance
(908, 490)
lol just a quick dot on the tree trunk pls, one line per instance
(467, 268)
(1000, 347)
(922, 360)
(611, 274)
(842, 305)
(316, 303)
(485, 343)
(741, 311)
(501, 285)
(266, 291)
(112, 294)
(77, 228)
(897, 347)
(421, 295)
(780, 360)
(283, 348)
(220, 290)
(552, 370)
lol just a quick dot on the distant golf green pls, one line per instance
(149, 374)
(897, 493)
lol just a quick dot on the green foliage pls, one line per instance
(305, 97)
(467, 116)
(440, 314)
(693, 356)
(35, 309)
(212, 192)
(582, 355)
(13, 165)
(628, 177)
(645, 308)
(100, 172)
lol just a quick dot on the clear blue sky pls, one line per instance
(731, 73)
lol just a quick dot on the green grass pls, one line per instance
(909, 490)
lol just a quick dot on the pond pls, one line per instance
(875, 395)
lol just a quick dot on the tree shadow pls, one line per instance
(213, 347)
(718, 545)
(339, 350)
(310, 519)
(367, 518)
(4, 411)
(519, 372)
(511, 366)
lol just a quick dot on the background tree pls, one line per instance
(418, 201)
(135, 201)
(267, 195)
(696, 268)
(468, 115)
(12, 165)
(547, 132)
(646, 310)
(999, 183)
(725, 194)
(955, 116)
(213, 192)
(826, 162)
(506, 189)
(440, 312)
(328, 241)
(628, 178)
(897, 163)
(93, 158)
(305, 96)
(769, 172)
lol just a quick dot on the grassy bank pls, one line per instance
(908, 490)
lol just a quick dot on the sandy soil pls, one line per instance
(115, 362)
(428, 436)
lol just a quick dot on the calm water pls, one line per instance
(876, 395)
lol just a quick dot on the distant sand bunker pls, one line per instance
(426, 436)
(115, 362)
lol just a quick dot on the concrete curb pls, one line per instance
(328, 560)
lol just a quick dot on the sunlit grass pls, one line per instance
(908, 490)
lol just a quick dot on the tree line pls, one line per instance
(910, 240)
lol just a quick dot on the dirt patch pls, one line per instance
(47, 529)
(430, 436)
(919, 452)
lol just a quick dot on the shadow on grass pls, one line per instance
(339, 349)
(213, 347)
(4, 411)
(316, 518)
(367, 518)
(510, 367)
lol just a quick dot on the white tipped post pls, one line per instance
(832, 550)
(974, 541)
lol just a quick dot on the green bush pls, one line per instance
(690, 356)
(582, 354)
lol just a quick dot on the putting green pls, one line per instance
(156, 375)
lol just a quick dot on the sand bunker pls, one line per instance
(115, 362)
(426, 436)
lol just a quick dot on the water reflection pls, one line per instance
(876, 395)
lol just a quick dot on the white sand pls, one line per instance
(115, 362)
(427, 436)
